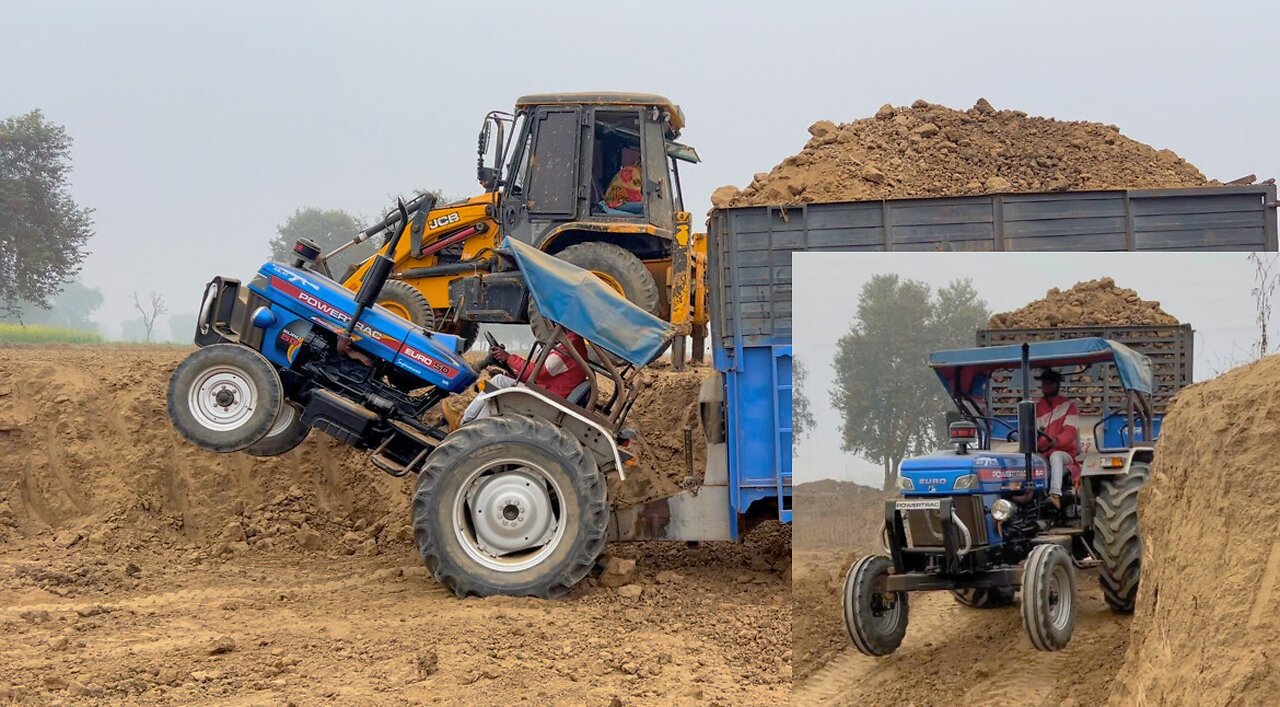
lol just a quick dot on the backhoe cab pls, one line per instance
(589, 177)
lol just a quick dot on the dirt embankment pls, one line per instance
(1097, 302)
(128, 555)
(927, 149)
(1206, 629)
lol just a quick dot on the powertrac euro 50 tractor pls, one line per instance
(513, 503)
(976, 519)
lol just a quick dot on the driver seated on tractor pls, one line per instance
(559, 375)
(1058, 420)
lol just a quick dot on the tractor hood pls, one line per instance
(947, 472)
(431, 356)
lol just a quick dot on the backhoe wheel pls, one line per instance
(287, 433)
(510, 505)
(1049, 597)
(984, 597)
(224, 397)
(876, 619)
(405, 301)
(1116, 539)
(619, 268)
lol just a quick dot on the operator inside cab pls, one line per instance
(617, 159)
(560, 374)
(1057, 421)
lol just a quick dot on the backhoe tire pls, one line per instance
(984, 597)
(876, 620)
(406, 301)
(287, 432)
(619, 265)
(1116, 538)
(1049, 597)
(224, 397)
(510, 505)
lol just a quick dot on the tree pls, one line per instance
(801, 415)
(72, 308)
(329, 228)
(890, 400)
(149, 312)
(43, 232)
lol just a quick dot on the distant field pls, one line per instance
(39, 334)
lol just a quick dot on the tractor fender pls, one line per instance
(1101, 463)
(589, 433)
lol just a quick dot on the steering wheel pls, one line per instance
(1013, 436)
(489, 360)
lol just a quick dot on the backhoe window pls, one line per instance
(553, 164)
(617, 178)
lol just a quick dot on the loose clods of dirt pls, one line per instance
(927, 149)
(1090, 303)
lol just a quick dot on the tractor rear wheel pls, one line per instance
(876, 619)
(1049, 597)
(1116, 539)
(224, 397)
(984, 597)
(510, 505)
(287, 432)
(407, 302)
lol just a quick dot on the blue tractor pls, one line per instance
(975, 518)
(513, 503)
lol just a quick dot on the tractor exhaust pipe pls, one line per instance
(1027, 436)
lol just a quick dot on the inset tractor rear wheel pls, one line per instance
(224, 397)
(1116, 538)
(1049, 597)
(405, 301)
(287, 432)
(875, 618)
(984, 597)
(510, 505)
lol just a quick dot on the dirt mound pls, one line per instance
(666, 415)
(1090, 303)
(1208, 620)
(835, 523)
(931, 150)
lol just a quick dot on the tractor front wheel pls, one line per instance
(224, 397)
(287, 432)
(510, 505)
(1049, 597)
(875, 618)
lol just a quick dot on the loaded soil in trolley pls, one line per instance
(135, 567)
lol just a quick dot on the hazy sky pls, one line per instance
(201, 126)
(1210, 291)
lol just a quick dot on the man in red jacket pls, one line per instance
(560, 374)
(1058, 419)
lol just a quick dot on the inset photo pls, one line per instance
(1034, 476)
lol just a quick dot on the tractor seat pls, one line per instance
(578, 396)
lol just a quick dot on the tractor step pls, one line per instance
(379, 458)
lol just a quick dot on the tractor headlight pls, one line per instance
(905, 484)
(1002, 510)
(966, 482)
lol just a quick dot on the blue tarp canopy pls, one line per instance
(962, 365)
(582, 303)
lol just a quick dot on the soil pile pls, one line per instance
(1208, 617)
(666, 414)
(1090, 303)
(930, 150)
(835, 523)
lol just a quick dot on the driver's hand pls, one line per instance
(499, 354)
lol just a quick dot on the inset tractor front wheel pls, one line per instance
(405, 301)
(984, 597)
(1116, 539)
(224, 397)
(287, 432)
(875, 618)
(1049, 597)
(510, 505)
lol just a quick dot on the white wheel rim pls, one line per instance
(286, 417)
(223, 398)
(1059, 588)
(508, 515)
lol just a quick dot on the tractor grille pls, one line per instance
(924, 526)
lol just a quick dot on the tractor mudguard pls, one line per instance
(589, 433)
